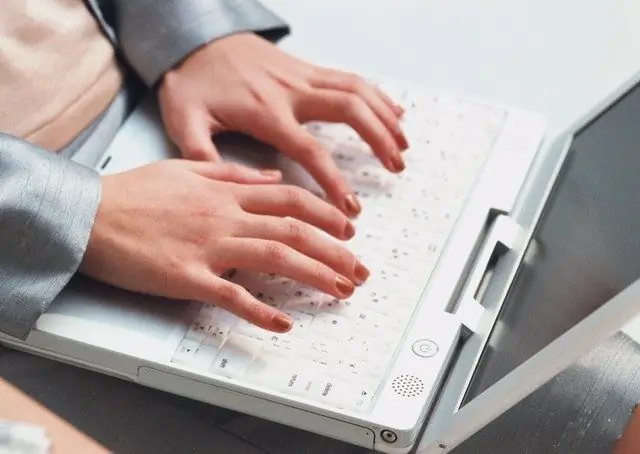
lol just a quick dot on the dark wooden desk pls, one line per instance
(65, 439)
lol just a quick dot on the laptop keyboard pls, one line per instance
(339, 350)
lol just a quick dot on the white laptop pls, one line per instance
(388, 369)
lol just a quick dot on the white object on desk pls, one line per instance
(22, 438)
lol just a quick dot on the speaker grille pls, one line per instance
(407, 386)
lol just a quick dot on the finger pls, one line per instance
(266, 256)
(340, 107)
(194, 137)
(306, 240)
(237, 300)
(295, 202)
(388, 111)
(235, 173)
(288, 136)
(397, 108)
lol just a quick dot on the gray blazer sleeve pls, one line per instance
(155, 35)
(47, 207)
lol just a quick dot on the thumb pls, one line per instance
(194, 140)
(235, 173)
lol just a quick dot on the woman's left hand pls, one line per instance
(244, 83)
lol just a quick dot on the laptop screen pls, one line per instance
(588, 243)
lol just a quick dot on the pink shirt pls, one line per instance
(58, 71)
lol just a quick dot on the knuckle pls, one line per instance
(293, 197)
(344, 255)
(177, 278)
(351, 104)
(169, 166)
(228, 292)
(275, 252)
(171, 82)
(256, 113)
(296, 232)
(320, 273)
(356, 84)
(196, 153)
(261, 312)
(237, 225)
(308, 146)
(232, 168)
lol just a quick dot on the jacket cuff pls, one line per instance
(47, 209)
(156, 36)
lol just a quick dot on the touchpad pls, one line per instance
(87, 300)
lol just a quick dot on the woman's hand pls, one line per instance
(172, 228)
(244, 83)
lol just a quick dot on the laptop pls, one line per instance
(390, 368)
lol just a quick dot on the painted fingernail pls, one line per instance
(270, 173)
(345, 286)
(397, 163)
(349, 230)
(352, 204)
(361, 272)
(402, 140)
(282, 322)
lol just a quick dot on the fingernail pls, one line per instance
(352, 204)
(345, 286)
(361, 272)
(349, 230)
(402, 140)
(399, 110)
(282, 322)
(270, 173)
(397, 163)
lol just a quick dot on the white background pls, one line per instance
(555, 57)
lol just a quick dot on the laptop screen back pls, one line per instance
(588, 238)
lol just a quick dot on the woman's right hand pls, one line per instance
(172, 228)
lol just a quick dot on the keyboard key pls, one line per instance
(364, 390)
(346, 368)
(301, 322)
(371, 177)
(371, 323)
(272, 372)
(283, 345)
(319, 349)
(305, 304)
(223, 319)
(300, 381)
(196, 332)
(333, 392)
(185, 352)
(374, 366)
(214, 338)
(250, 330)
(236, 355)
(204, 356)
(329, 325)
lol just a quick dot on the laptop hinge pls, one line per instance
(502, 237)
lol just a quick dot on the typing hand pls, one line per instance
(172, 228)
(245, 84)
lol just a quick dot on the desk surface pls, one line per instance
(15, 406)
(557, 58)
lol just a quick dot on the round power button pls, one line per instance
(425, 348)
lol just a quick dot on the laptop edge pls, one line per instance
(451, 423)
